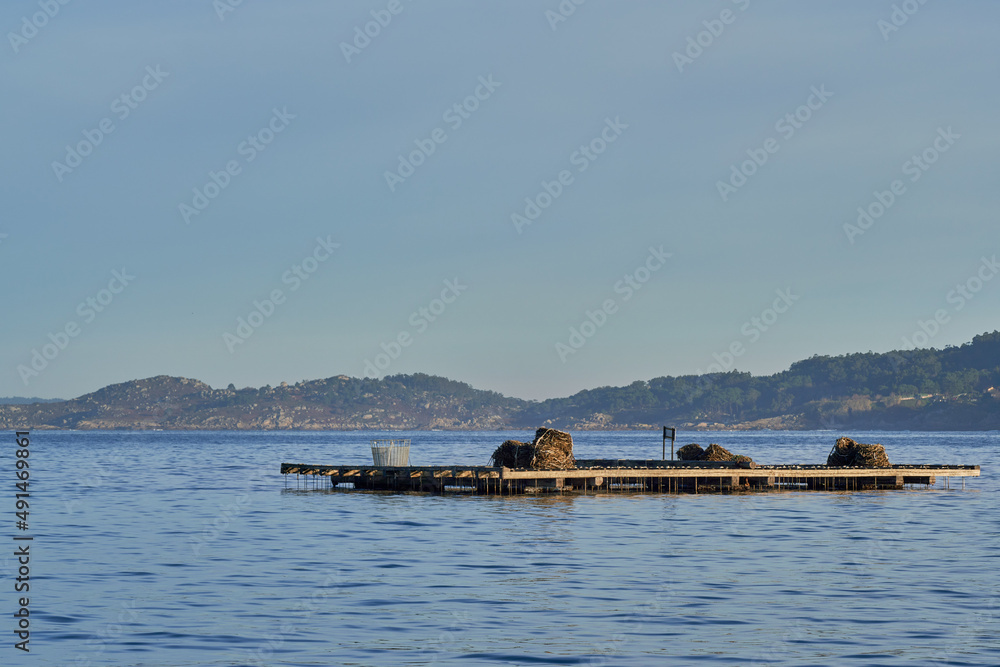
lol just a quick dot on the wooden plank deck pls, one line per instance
(630, 475)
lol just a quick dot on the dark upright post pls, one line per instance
(673, 436)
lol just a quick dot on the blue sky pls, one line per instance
(641, 126)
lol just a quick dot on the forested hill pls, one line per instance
(953, 388)
(950, 389)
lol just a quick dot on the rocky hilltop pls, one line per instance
(337, 403)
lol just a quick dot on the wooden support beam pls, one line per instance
(626, 476)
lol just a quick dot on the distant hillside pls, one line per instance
(950, 389)
(21, 400)
(396, 402)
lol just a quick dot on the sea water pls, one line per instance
(189, 548)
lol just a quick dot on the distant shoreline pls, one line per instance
(954, 389)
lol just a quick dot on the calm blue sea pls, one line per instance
(165, 548)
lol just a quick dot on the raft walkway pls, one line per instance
(624, 475)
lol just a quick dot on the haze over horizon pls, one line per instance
(488, 192)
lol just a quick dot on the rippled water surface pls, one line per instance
(191, 549)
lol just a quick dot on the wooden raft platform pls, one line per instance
(621, 475)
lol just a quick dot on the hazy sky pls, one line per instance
(652, 175)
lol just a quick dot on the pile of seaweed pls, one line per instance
(847, 452)
(694, 452)
(550, 450)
